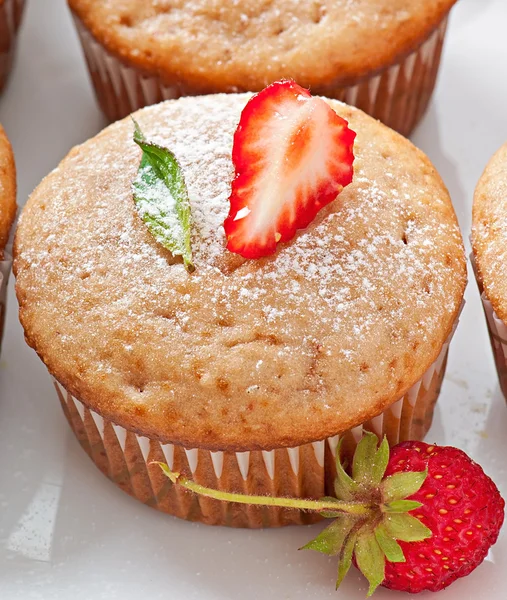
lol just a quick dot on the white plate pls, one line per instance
(68, 533)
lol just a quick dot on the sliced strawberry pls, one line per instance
(293, 155)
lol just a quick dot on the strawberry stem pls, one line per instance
(352, 508)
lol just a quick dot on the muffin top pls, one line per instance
(223, 46)
(489, 231)
(7, 190)
(241, 354)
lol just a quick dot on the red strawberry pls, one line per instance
(457, 513)
(462, 507)
(293, 155)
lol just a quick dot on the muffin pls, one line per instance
(7, 216)
(243, 374)
(11, 12)
(379, 55)
(489, 235)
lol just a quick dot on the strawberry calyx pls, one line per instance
(369, 512)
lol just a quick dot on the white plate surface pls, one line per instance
(65, 531)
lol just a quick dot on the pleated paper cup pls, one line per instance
(397, 95)
(497, 331)
(5, 270)
(306, 471)
(11, 12)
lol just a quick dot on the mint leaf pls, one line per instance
(402, 485)
(331, 540)
(161, 198)
(406, 528)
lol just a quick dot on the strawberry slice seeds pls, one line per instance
(293, 155)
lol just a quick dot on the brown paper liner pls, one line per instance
(5, 269)
(11, 12)
(306, 471)
(497, 331)
(397, 95)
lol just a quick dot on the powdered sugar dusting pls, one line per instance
(336, 318)
(156, 202)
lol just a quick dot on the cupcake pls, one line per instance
(379, 55)
(489, 235)
(283, 329)
(7, 215)
(11, 12)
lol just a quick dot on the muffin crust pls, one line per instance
(219, 46)
(239, 355)
(489, 232)
(7, 190)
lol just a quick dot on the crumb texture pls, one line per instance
(242, 45)
(295, 347)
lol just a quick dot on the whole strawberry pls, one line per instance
(456, 513)
(459, 504)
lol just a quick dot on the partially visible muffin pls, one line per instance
(7, 216)
(489, 242)
(11, 12)
(379, 55)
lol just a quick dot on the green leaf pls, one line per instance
(402, 506)
(406, 528)
(344, 486)
(161, 198)
(364, 458)
(331, 540)
(402, 485)
(370, 560)
(379, 465)
(389, 545)
(328, 514)
(345, 559)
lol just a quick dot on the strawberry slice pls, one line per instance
(293, 155)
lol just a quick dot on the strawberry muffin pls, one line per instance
(202, 297)
(11, 12)
(380, 55)
(7, 215)
(489, 237)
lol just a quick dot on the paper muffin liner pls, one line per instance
(306, 471)
(397, 95)
(5, 270)
(497, 330)
(11, 12)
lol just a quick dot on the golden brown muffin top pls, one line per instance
(489, 231)
(223, 46)
(240, 354)
(7, 190)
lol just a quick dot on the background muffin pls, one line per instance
(489, 242)
(245, 373)
(7, 216)
(380, 55)
(11, 12)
